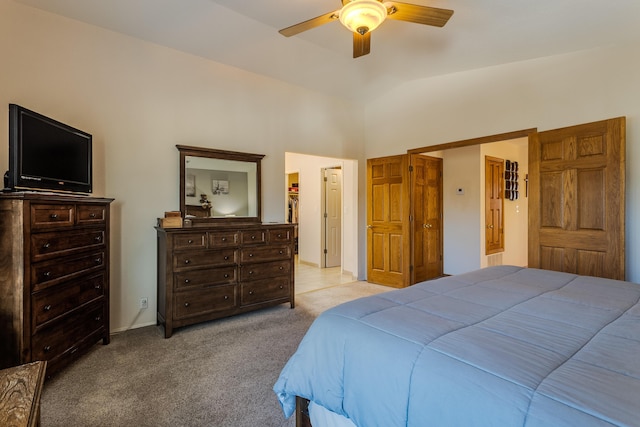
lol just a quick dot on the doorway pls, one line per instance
(464, 202)
(310, 217)
(293, 185)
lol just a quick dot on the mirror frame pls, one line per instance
(212, 153)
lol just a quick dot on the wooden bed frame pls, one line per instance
(302, 412)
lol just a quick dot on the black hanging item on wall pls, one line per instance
(511, 191)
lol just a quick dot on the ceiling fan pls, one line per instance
(364, 16)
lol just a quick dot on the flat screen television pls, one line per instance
(45, 154)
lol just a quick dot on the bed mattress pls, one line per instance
(502, 346)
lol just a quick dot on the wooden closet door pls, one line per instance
(577, 199)
(388, 230)
(426, 212)
(494, 205)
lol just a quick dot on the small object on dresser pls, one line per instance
(170, 222)
(172, 219)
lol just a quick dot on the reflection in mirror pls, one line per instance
(219, 185)
(216, 187)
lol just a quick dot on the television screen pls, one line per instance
(46, 154)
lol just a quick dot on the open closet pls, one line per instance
(292, 204)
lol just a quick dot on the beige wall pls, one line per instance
(139, 100)
(462, 224)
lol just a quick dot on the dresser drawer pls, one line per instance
(49, 245)
(210, 276)
(195, 302)
(265, 253)
(253, 236)
(51, 272)
(72, 353)
(50, 216)
(190, 241)
(281, 235)
(63, 335)
(91, 214)
(258, 291)
(265, 269)
(223, 238)
(199, 259)
(59, 300)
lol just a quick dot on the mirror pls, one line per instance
(218, 185)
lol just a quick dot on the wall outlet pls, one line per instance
(144, 302)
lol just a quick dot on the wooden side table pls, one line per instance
(20, 389)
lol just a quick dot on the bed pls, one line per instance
(502, 346)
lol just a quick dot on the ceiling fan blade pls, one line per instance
(419, 14)
(309, 24)
(361, 44)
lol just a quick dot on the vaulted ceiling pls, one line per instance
(244, 34)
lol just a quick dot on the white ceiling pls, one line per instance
(244, 34)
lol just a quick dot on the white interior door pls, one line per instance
(332, 217)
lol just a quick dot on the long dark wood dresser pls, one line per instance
(54, 277)
(211, 271)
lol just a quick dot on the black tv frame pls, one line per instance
(16, 181)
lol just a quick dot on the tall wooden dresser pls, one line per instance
(219, 270)
(54, 277)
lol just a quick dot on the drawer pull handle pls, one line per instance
(186, 261)
(281, 268)
(98, 318)
(46, 245)
(98, 238)
(226, 297)
(98, 260)
(47, 307)
(279, 235)
(98, 287)
(281, 287)
(224, 239)
(187, 281)
(281, 252)
(250, 255)
(250, 271)
(226, 276)
(190, 241)
(47, 274)
(250, 292)
(92, 215)
(47, 349)
(253, 237)
(53, 216)
(226, 257)
(186, 304)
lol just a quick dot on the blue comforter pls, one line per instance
(503, 346)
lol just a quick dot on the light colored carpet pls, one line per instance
(218, 373)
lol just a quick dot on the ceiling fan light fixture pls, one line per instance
(362, 16)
